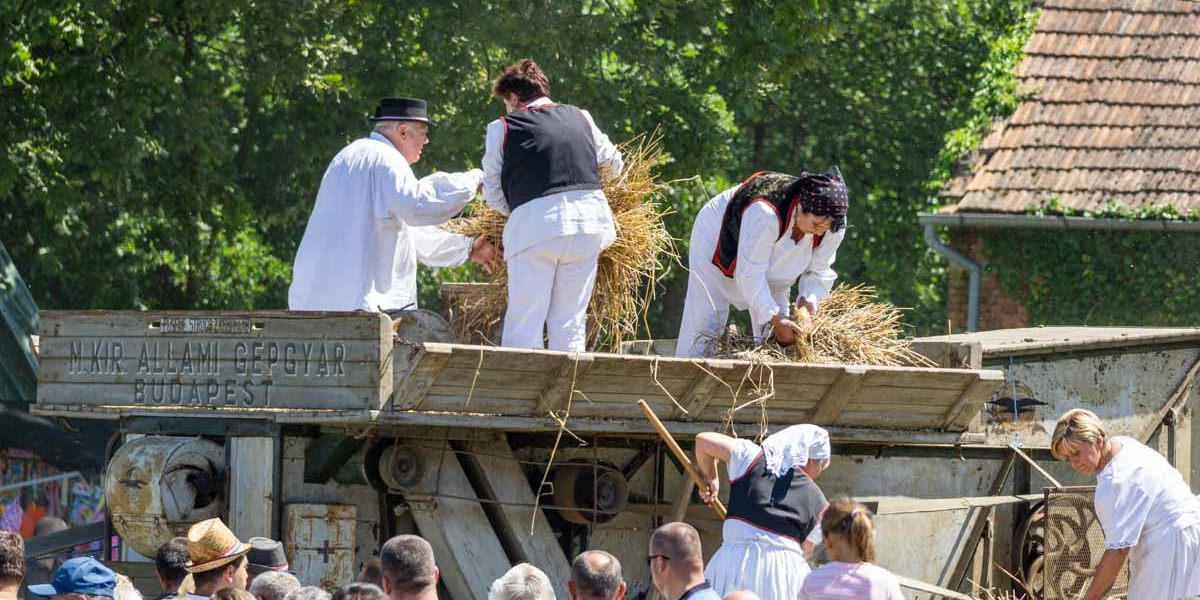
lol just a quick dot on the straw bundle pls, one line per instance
(852, 327)
(627, 270)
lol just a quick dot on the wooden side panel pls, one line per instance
(207, 394)
(508, 483)
(972, 398)
(252, 486)
(506, 381)
(300, 324)
(839, 395)
(468, 552)
(216, 360)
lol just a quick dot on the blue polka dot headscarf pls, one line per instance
(825, 195)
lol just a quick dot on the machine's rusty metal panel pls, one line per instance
(1126, 386)
(224, 361)
(319, 542)
(1074, 543)
(156, 487)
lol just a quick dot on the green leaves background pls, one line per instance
(166, 154)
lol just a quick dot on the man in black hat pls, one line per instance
(374, 220)
(265, 555)
(751, 243)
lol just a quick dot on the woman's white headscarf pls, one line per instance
(794, 447)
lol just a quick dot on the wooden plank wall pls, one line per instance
(252, 508)
(504, 381)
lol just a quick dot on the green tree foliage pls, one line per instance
(166, 154)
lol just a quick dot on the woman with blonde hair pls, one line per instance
(1146, 510)
(851, 574)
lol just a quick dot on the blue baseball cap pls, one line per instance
(84, 575)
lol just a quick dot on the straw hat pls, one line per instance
(211, 545)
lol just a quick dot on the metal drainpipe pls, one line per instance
(932, 240)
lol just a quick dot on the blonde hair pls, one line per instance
(1077, 426)
(124, 589)
(232, 593)
(854, 522)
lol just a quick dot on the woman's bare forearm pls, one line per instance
(1106, 572)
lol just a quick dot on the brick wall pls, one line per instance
(996, 309)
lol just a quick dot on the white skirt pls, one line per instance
(771, 571)
(1165, 565)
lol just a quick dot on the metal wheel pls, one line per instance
(601, 493)
(1029, 548)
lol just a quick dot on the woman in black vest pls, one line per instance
(751, 243)
(542, 168)
(774, 512)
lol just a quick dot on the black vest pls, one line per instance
(547, 150)
(764, 186)
(790, 505)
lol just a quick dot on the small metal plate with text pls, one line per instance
(205, 325)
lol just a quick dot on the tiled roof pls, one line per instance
(1114, 113)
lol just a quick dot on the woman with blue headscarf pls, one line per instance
(774, 512)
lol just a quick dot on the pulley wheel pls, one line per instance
(592, 495)
(401, 466)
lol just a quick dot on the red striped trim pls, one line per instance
(716, 259)
(751, 177)
(231, 550)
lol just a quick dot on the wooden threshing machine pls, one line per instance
(333, 432)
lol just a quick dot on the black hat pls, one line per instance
(265, 555)
(401, 109)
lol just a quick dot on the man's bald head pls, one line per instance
(677, 541)
(741, 595)
(596, 575)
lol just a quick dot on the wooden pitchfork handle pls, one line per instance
(681, 455)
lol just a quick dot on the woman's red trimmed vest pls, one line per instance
(764, 186)
(789, 505)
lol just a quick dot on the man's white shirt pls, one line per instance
(372, 223)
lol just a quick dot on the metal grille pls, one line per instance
(1074, 543)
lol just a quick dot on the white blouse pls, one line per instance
(1138, 492)
(766, 267)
